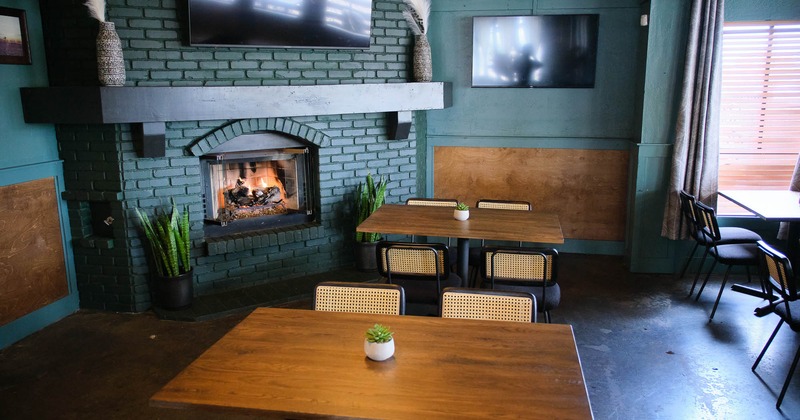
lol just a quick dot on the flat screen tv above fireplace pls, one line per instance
(280, 23)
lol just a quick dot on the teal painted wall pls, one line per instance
(604, 118)
(605, 112)
(744, 10)
(633, 105)
(662, 63)
(20, 143)
(647, 251)
(29, 152)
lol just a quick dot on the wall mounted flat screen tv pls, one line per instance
(280, 23)
(543, 51)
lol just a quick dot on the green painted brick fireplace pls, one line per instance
(105, 176)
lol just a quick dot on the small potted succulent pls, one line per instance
(378, 343)
(461, 212)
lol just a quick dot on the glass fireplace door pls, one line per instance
(256, 184)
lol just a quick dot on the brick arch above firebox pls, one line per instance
(239, 127)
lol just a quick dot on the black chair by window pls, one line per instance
(423, 270)
(728, 235)
(743, 254)
(778, 278)
(369, 298)
(532, 270)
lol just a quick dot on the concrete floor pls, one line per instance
(647, 353)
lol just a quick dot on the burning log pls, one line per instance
(240, 194)
(242, 203)
(269, 196)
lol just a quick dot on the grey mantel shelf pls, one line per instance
(149, 108)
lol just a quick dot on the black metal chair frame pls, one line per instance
(709, 227)
(728, 235)
(548, 278)
(488, 203)
(440, 253)
(777, 275)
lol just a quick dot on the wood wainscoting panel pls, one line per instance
(586, 188)
(32, 269)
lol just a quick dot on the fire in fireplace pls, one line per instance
(258, 181)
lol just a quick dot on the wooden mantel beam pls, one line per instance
(150, 107)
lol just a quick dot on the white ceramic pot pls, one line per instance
(379, 351)
(461, 214)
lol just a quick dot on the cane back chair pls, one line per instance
(475, 252)
(520, 269)
(496, 305)
(369, 298)
(433, 202)
(423, 270)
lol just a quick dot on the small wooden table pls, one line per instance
(772, 206)
(291, 362)
(502, 225)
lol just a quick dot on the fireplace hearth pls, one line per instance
(258, 181)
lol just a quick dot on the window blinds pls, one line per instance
(760, 115)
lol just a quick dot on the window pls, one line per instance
(760, 115)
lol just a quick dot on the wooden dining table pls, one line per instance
(491, 224)
(300, 363)
(771, 206)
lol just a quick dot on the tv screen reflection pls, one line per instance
(534, 51)
(281, 23)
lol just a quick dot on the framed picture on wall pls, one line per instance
(14, 48)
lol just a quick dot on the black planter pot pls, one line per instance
(175, 292)
(365, 256)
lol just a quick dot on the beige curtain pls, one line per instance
(695, 158)
(783, 230)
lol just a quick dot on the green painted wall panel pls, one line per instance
(744, 10)
(606, 111)
(664, 69)
(20, 143)
(46, 315)
(647, 250)
(603, 118)
(29, 152)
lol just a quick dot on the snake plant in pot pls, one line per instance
(168, 238)
(369, 197)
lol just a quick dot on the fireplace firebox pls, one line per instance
(258, 181)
